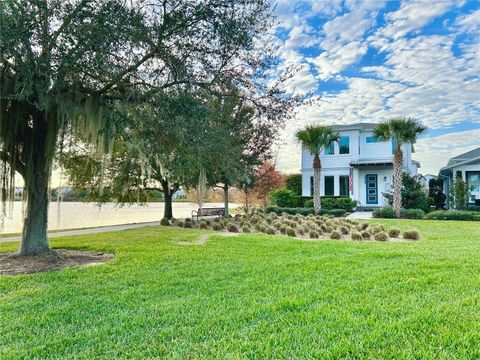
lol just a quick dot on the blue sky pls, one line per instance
(371, 60)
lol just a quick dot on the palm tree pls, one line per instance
(400, 131)
(315, 138)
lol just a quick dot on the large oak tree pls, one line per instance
(65, 63)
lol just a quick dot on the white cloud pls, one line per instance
(470, 23)
(413, 15)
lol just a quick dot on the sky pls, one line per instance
(372, 60)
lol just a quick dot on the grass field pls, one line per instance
(252, 296)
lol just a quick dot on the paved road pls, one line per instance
(87, 231)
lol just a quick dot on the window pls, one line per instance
(473, 181)
(344, 185)
(344, 145)
(330, 150)
(371, 139)
(329, 185)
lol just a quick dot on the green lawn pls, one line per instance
(252, 296)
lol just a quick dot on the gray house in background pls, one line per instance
(467, 167)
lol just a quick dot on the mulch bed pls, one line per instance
(14, 264)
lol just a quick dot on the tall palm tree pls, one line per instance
(315, 138)
(400, 131)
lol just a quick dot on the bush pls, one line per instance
(232, 227)
(385, 212)
(452, 215)
(394, 232)
(313, 234)
(284, 198)
(335, 235)
(473, 208)
(381, 236)
(344, 230)
(187, 224)
(411, 235)
(308, 203)
(376, 228)
(203, 225)
(412, 213)
(356, 236)
(217, 226)
(246, 228)
(164, 222)
(344, 203)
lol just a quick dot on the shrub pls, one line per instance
(344, 203)
(375, 229)
(284, 198)
(284, 229)
(291, 232)
(452, 215)
(411, 235)
(363, 226)
(381, 236)
(259, 227)
(246, 228)
(473, 208)
(335, 235)
(187, 224)
(394, 232)
(180, 223)
(412, 213)
(164, 222)
(385, 212)
(356, 236)
(216, 226)
(308, 203)
(232, 227)
(344, 230)
(203, 225)
(366, 235)
(313, 234)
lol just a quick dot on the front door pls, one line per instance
(371, 181)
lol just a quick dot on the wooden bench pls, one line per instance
(220, 212)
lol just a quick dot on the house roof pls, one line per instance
(469, 155)
(462, 159)
(357, 126)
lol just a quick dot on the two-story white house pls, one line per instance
(359, 166)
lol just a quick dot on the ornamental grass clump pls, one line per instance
(277, 224)
(203, 225)
(357, 236)
(232, 227)
(246, 228)
(381, 236)
(411, 235)
(284, 229)
(188, 224)
(365, 235)
(344, 230)
(394, 232)
(291, 232)
(313, 234)
(164, 222)
(335, 235)
(217, 226)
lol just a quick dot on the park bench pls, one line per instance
(217, 211)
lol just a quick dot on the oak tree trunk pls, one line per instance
(316, 184)
(397, 180)
(167, 195)
(40, 150)
(225, 199)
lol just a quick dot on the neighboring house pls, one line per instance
(424, 180)
(467, 167)
(359, 166)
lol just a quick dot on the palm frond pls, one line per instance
(316, 137)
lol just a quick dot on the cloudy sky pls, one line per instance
(371, 60)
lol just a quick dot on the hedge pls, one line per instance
(333, 202)
(387, 212)
(453, 215)
(304, 211)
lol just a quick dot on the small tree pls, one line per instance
(400, 131)
(267, 178)
(459, 193)
(435, 193)
(315, 138)
(294, 182)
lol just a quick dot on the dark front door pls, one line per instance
(371, 181)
